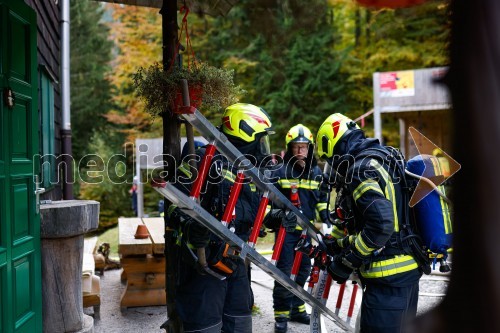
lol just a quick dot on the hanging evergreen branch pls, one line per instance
(159, 88)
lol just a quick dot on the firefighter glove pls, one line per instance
(332, 246)
(352, 258)
(290, 221)
(346, 241)
(339, 271)
(273, 219)
(197, 235)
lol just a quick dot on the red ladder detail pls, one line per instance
(297, 260)
(259, 218)
(233, 198)
(204, 168)
(278, 245)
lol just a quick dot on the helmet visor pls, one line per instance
(264, 146)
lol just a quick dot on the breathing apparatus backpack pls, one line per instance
(425, 231)
(432, 213)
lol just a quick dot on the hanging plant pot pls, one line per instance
(159, 88)
(195, 98)
(389, 3)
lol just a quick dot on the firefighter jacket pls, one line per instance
(313, 203)
(215, 192)
(376, 199)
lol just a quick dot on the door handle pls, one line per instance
(38, 191)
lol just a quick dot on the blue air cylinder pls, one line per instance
(432, 213)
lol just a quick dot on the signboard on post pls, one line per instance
(409, 94)
(397, 84)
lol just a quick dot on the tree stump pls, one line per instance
(63, 224)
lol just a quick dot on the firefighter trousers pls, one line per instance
(286, 303)
(207, 304)
(385, 309)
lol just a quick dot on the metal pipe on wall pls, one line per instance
(66, 150)
(377, 117)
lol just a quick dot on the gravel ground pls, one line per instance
(149, 319)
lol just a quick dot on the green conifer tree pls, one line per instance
(90, 57)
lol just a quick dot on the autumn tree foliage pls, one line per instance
(300, 60)
(136, 32)
(91, 100)
(283, 55)
(292, 57)
(386, 40)
(317, 57)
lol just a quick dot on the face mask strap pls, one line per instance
(264, 146)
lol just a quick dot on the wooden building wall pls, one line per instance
(435, 125)
(428, 93)
(49, 50)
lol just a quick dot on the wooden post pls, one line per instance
(172, 152)
(171, 123)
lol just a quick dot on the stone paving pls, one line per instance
(148, 319)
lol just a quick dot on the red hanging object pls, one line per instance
(390, 3)
(195, 91)
(195, 98)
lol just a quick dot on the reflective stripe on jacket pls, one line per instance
(313, 203)
(378, 211)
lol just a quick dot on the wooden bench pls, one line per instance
(143, 262)
(91, 286)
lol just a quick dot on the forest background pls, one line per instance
(301, 60)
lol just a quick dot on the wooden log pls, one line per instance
(68, 218)
(156, 229)
(100, 263)
(62, 225)
(62, 284)
(145, 281)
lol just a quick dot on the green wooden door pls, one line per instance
(20, 272)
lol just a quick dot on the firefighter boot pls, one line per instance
(301, 317)
(281, 325)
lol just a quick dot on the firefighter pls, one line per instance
(298, 179)
(387, 267)
(204, 301)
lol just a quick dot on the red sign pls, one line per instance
(397, 84)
